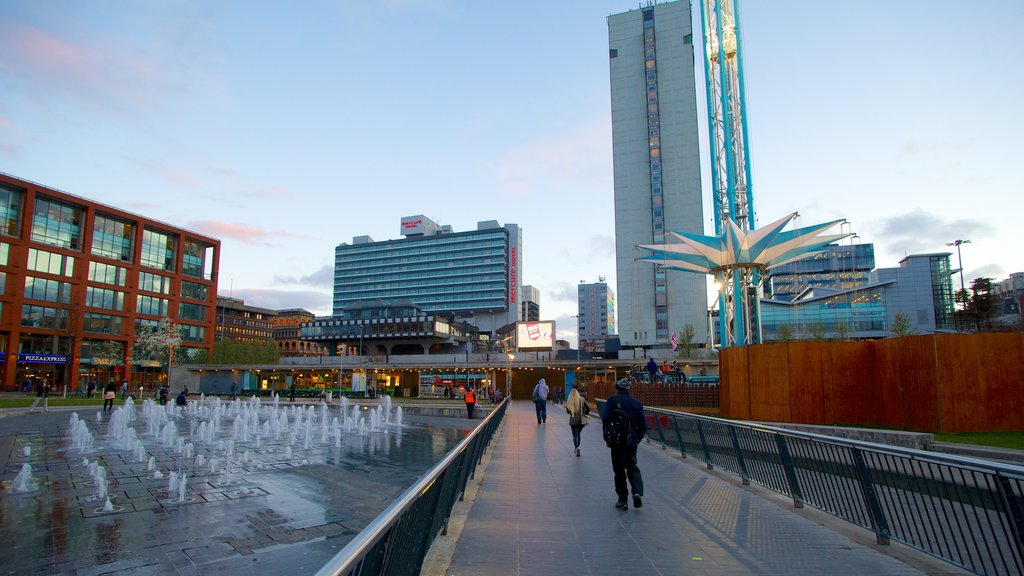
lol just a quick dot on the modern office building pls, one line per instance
(595, 318)
(920, 288)
(836, 268)
(530, 298)
(79, 280)
(474, 276)
(239, 322)
(656, 160)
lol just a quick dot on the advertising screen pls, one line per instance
(535, 335)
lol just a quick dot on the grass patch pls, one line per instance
(54, 401)
(1014, 440)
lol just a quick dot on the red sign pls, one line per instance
(513, 277)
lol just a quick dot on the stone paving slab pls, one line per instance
(541, 510)
(271, 513)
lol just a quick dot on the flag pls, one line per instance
(673, 341)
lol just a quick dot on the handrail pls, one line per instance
(966, 511)
(370, 552)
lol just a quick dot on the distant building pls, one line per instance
(920, 288)
(595, 319)
(473, 276)
(836, 268)
(379, 328)
(530, 298)
(242, 323)
(656, 161)
(79, 280)
(287, 327)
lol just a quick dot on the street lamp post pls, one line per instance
(960, 264)
(579, 336)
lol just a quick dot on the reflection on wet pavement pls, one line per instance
(215, 488)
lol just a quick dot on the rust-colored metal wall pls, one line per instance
(941, 383)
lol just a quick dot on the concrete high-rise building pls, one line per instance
(656, 159)
(529, 296)
(596, 319)
(473, 276)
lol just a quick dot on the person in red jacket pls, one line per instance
(470, 402)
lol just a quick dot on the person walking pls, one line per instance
(234, 390)
(578, 408)
(540, 401)
(89, 389)
(124, 390)
(42, 395)
(109, 393)
(291, 392)
(624, 425)
(470, 402)
(652, 370)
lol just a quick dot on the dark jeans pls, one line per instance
(576, 429)
(624, 465)
(108, 404)
(542, 410)
(469, 409)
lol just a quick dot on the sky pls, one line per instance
(287, 128)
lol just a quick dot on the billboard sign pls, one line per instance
(531, 335)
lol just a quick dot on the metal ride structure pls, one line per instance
(738, 254)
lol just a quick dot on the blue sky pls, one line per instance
(285, 129)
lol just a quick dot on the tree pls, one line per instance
(817, 332)
(842, 332)
(785, 333)
(983, 303)
(685, 342)
(160, 343)
(232, 352)
(901, 326)
(106, 353)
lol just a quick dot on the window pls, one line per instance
(101, 323)
(154, 283)
(5, 253)
(103, 298)
(48, 290)
(112, 238)
(57, 224)
(50, 263)
(197, 259)
(188, 311)
(157, 250)
(44, 317)
(10, 210)
(193, 291)
(192, 333)
(150, 305)
(142, 324)
(107, 274)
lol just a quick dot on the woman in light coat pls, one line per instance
(578, 409)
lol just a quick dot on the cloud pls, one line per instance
(922, 232)
(318, 303)
(323, 277)
(176, 176)
(241, 232)
(95, 76)
(562, 292)
(579, 156)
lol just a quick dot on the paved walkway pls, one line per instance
(540, 510)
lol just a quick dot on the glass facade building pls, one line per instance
(474, 275)
(78, 279)
(837, 268)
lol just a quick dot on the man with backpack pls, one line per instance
(624, 425)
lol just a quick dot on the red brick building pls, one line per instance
(79, 279)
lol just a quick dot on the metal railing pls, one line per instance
(965, 511)
(397, 541)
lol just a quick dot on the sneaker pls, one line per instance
(577, 452)
(621, 505)
(637, 501)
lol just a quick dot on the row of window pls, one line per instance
(414, 253)
(59, 224)
(33, 316)
(60, 292)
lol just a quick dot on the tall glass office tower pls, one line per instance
(474, 276)
(656, 159)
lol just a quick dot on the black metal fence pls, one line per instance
(965, 511)
(397, 541)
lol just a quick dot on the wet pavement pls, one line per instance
(256, 500)
(539, 509)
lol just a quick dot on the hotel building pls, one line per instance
(79, 280)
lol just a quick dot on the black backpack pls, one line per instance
(619, 430)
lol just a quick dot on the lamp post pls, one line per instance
(960, 264)
(579, 336)
(172, 343)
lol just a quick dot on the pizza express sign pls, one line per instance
(43, 358)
